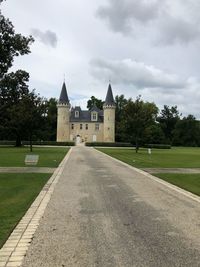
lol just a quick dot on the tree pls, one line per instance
(94, 101)
(13, 86)
(187, 132)
(21, 111)
(11, 45)
(120, 133)
(49, 131)
(154, 134)
(139, 116)
(168, 118)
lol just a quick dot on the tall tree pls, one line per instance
(13, 86)
(187, 132)
(49, 133)
(93, 101)
(168, 118)
(139, 115)
(120, 133)
(11, 45)
(20, 110)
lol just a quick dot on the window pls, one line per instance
(81, 126)
(76, 114)
(72, 126)
(96, 127)
(94, 116)
(86, 127)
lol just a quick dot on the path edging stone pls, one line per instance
(14, 250)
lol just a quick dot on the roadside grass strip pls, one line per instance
(17, 192)
(13, 251)
(159, 158)
(48, 156)
(189, 182)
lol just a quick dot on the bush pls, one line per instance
(117, 144)
(7, 143)
(40, 143)
(48, 143)
(159, 146)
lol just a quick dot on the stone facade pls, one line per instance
(95, 125)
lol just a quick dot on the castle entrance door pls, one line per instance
(94, 138)
(78, 139)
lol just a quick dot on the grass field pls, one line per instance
(189, 182)
(17, 192)
(48, 156)
(160, 158)
(164, 158)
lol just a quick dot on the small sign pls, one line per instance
(149, 151)
(31, 159)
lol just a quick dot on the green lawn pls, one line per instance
(164, 158)
(190, 182)
(160, 158)
(17, 192)
(48, 156)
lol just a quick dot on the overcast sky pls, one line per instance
(145, 47)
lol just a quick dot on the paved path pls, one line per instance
(26, 170)
(105, 214)
(172, 170)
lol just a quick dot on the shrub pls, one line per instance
(159, 146)
(40, 143)
(49, 143)
(7, 143)
(117, 144)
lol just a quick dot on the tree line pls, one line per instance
(25, 115)
(140, 123)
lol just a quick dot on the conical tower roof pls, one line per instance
(109, 97)
(63, 95)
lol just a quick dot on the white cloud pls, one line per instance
(121, 15)
(161, 73)
(170, 21)
(139, 74)
(48, 37)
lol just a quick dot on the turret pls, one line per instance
(109, 116)
(63, 116)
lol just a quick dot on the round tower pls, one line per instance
(109, 117)
(63, 116)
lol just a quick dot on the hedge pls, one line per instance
(48, 143)
(7, 143)
(40, 143)
(159, 146)
(117, 144)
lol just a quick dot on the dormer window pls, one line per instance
(76, 114)
(94, 116)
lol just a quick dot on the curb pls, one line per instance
(156, 179)
(14, 250)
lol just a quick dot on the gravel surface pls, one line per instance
(105, 214)
(26, 170)
(172, 170)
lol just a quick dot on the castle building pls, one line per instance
(95, 125)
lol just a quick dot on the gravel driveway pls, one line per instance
(105, 214)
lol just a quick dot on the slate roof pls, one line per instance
(63, 95)
(85, 115)
(109, 97)
(95, 108)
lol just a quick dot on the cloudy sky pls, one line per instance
(145, 47)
